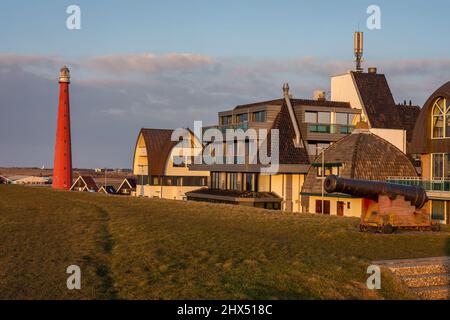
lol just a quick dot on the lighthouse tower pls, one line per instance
(62, 168)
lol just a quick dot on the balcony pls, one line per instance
(428, 185)
(243, 126)
(329, 128)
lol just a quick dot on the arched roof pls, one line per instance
(361, 155)
(421, 141)
(159, 145)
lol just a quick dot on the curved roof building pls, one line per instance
(361, 155)
(432, 132)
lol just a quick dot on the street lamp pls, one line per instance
(141, 166)
(322, 175)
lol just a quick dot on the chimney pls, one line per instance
(372, 70)
(319, 95)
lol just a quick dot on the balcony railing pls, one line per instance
(329, 128)
(429, 185)
(243, 126)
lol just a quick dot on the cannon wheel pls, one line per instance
(436, 227)
(387, 229)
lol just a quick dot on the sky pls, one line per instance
(164, 64)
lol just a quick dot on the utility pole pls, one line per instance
(322, 176)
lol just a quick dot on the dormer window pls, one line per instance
(441, 119)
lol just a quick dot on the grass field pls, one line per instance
(131, 248)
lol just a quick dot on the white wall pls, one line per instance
(344, 89)
(397, 137)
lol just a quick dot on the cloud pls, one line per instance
(149, 63)
(9, 60)
(110, 102)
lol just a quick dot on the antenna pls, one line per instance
(358, 45)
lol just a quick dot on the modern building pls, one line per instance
(84, 183)
(431, 142)
(361, 155)
(305, 128)
(160, 165)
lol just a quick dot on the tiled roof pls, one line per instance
(364, 156)
(378, 100)
(288, 153)
(409, 115)
(131, 182)
(89, 182)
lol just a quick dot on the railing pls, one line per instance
(329, 128)
(429, 185)
(243, 126)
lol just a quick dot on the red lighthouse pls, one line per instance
(62, 168)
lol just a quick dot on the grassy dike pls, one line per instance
(130, 248)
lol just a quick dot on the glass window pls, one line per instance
(250, 182)
(324, 117)
(226, 120)
(438, 210)
(342, 118)
(353, 119)
(438, 166)
(242, 117)
(441, 119)
(259, 116)
(310, 117)
(179, 161)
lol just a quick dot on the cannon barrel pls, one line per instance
(372, 189)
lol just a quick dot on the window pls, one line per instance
(232, 181)
(250, 182)
(441, 119)
(315, 148)
(326, 206)
(324, 117)
(215, 180)
(179, 161)
(342, 118)
(438, 210)
(259, 116)
(346, 121)
(242, 117)
(310, 117)
(440, 166)
(225, 120)
(328, 171)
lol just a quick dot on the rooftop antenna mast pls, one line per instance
(358, 44)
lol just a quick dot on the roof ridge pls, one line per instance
(355, 155)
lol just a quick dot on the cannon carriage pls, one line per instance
(386, 206)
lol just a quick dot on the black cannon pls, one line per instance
(373, 189)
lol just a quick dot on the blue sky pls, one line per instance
(263, 28)
(164, 64)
